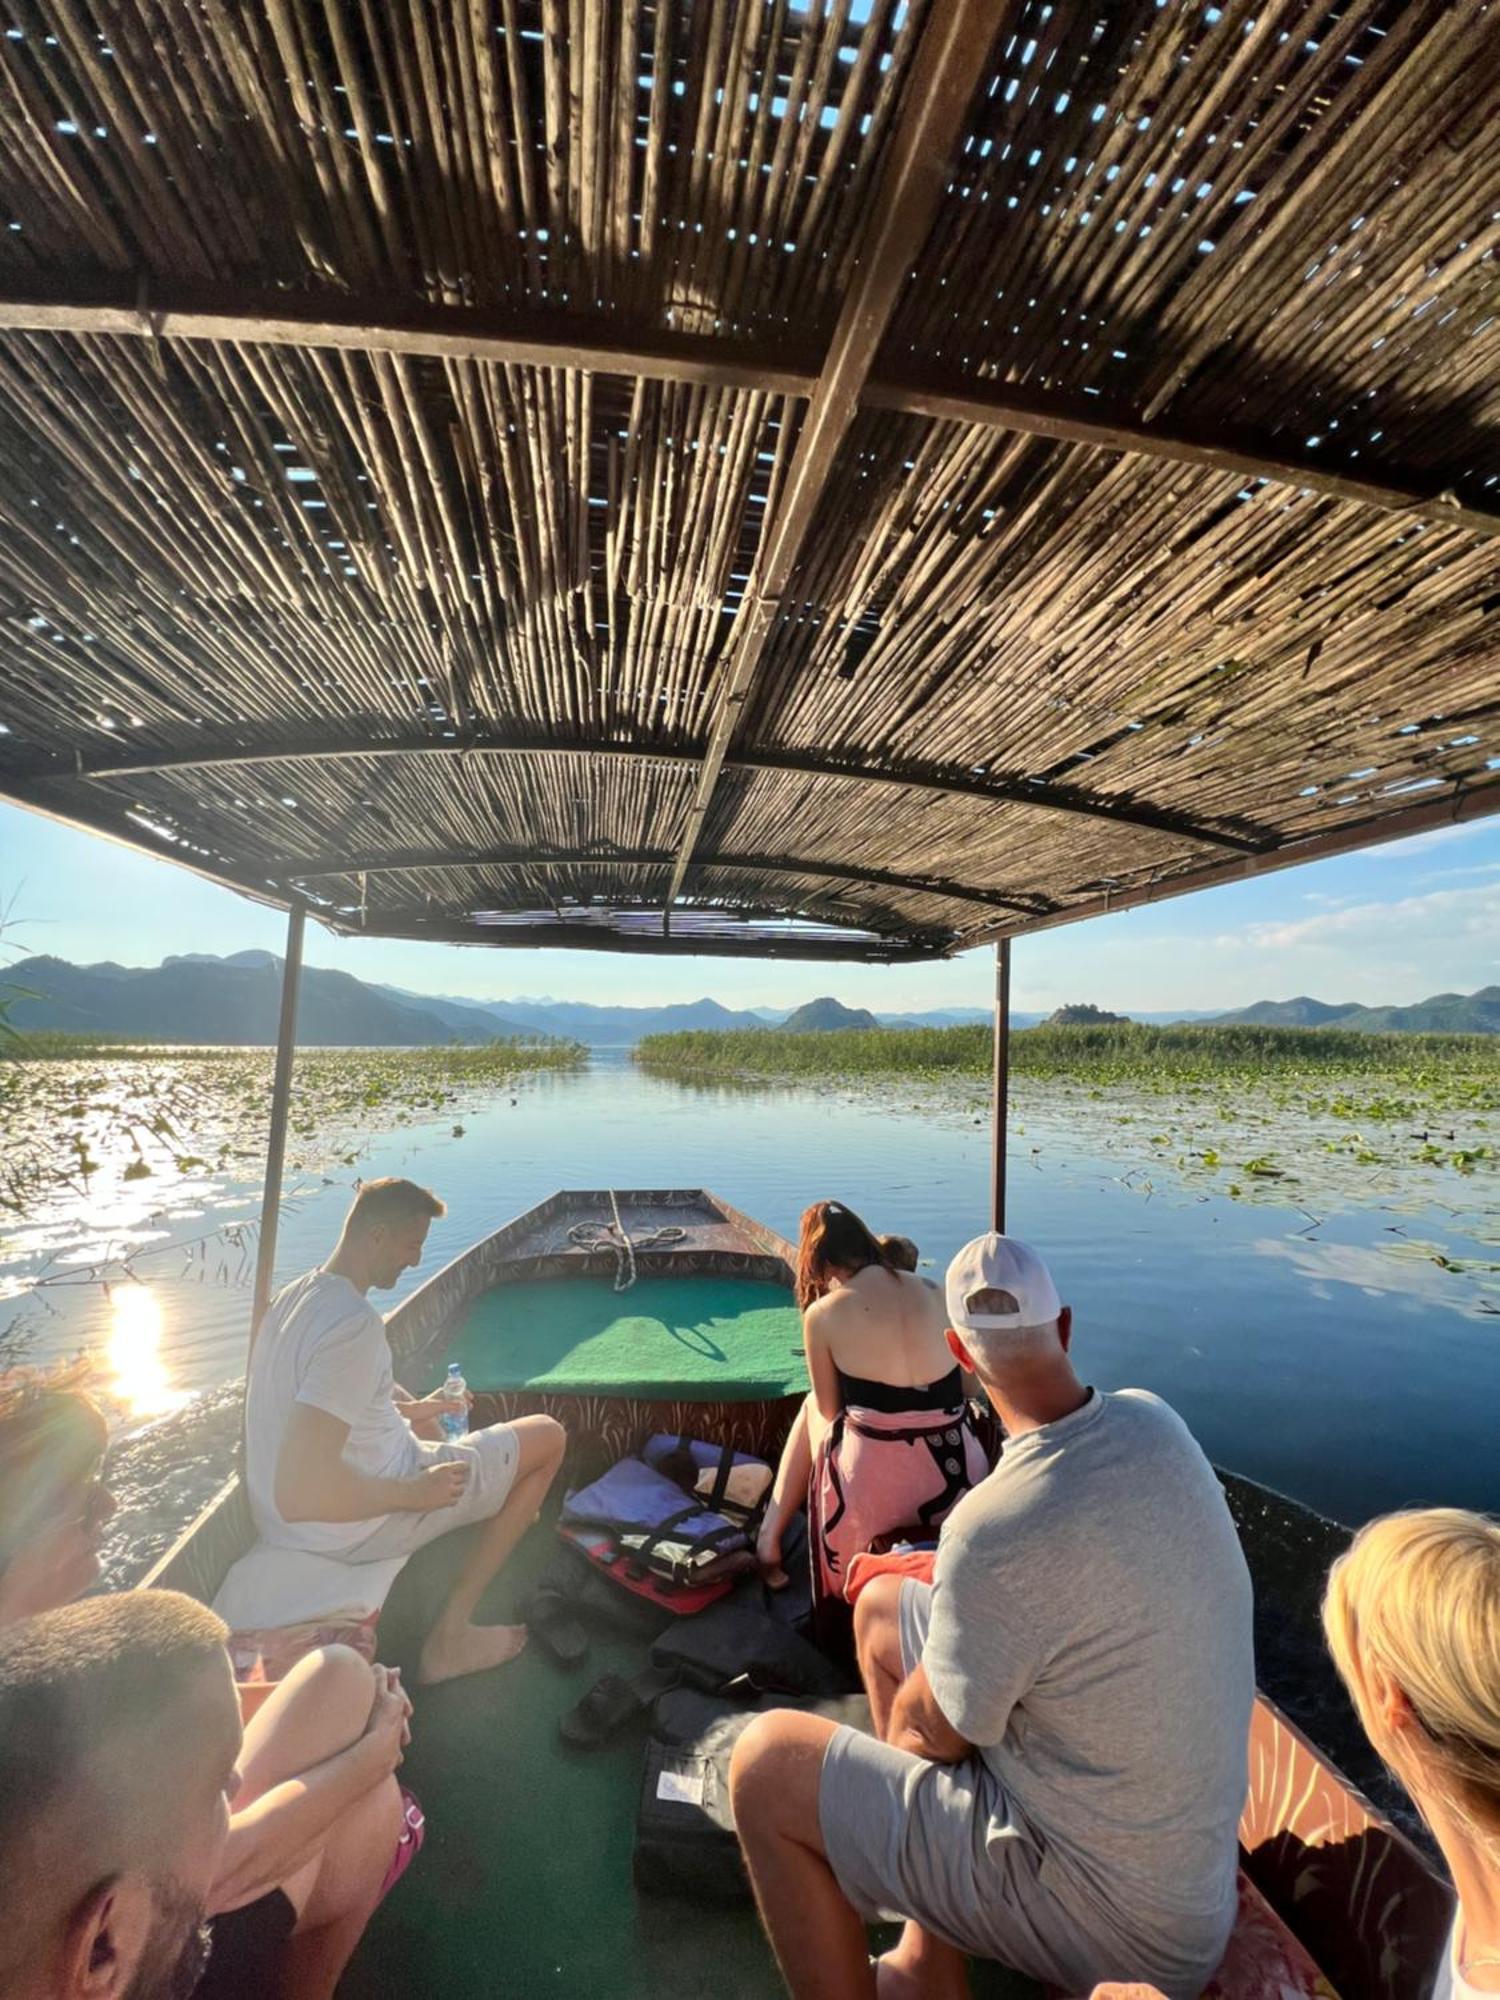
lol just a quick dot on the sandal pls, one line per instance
(610, 1704)
(553, 1617)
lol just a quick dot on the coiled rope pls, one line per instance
(617, 1240)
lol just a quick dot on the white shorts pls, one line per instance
(491, 1455)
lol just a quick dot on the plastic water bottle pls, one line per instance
(454, 1421)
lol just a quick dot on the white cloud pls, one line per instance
(1443, 915)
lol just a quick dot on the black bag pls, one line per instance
(685, 1843)
(738, 1644)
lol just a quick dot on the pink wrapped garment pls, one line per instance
(882, 1476)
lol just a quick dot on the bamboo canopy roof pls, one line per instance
(846, 478)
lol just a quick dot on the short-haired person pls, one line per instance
(334, 1460)
(1062, 1714)
(320, 1829)
(1412, 1615)
(119, 1734)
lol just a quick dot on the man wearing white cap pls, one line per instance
(1062, 1713)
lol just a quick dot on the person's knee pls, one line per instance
(877, 1615)
(753, 1764)
(344, 1682)
(543, 1442)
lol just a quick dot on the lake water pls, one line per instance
(1322, 1349)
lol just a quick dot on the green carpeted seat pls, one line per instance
(711, 1339)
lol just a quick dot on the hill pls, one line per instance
(234, 1000)
(819, 1016)
(1081, 1015)
(1442, 1014)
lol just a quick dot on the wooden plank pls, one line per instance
(1005, 406)
(329, 867)
(1471, 803)
(948, 69)
(283, 319)
(218, 752)
(188, 312)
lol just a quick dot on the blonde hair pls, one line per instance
(1417, 1597)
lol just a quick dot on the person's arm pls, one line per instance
(826, 1400)
(275, 1834)
(917, 1723)
(313, 1483)
(425, 1413)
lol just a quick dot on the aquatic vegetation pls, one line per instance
(1283, 1115)
(1126, 1053)
(138, 1112)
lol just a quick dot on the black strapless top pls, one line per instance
(893, 1400)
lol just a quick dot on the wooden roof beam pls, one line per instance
(1469, 802)
(330, 867)
(185, 311)
(284, 319)
(1069, 420)
(948, 68)
(210, 753)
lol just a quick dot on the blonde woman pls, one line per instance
(1412, 1616)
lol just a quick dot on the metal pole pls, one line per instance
(281, 1098)
(1000, 1087)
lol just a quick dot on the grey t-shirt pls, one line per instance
(1090, 1634)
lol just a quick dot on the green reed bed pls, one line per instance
(1125, 1053)
(1247, 1104)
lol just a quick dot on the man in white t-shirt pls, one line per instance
(1062, 1714)
(334, 1461)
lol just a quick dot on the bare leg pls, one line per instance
(319, 1709)
(877, 1640)
(921, 1967)
(788, 1493)
(818, 1937)
(455, 1644)
(337, 1898)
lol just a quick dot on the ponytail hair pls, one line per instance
(833, 1238)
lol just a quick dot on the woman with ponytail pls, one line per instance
(885, 1444)
(1412, 1616)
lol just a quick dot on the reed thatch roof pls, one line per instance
(862, 476)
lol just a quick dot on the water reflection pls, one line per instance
(139, 1376)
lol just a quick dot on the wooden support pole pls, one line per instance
(281, 1099)
(1000, 1087)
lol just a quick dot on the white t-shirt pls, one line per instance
(324, 1344)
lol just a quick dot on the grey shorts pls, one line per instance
(492, 1456)
(940, 1843)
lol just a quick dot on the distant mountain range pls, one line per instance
(237, 999)
(1444, 1014)
(200, 998)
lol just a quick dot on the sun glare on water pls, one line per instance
(140, 1377)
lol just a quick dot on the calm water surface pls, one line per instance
(1300, 1347)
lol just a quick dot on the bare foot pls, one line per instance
(474, 1650)
(921, 1974)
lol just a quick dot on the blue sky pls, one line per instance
(1395, 923)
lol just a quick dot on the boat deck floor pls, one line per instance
(524, 1886)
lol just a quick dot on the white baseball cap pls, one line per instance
(1000, 1264)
